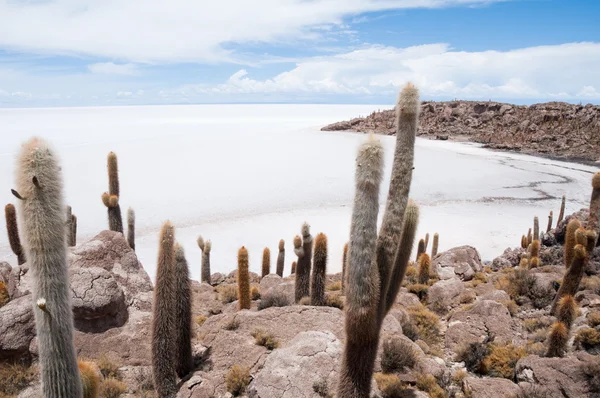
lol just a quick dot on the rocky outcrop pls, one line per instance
(17, 328)
(556, 129)
(462, 261)
(490, 387)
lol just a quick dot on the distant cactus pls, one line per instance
(424, 268)
(164, 345)
(594, 218)
(317, 288)
(536, 228)
(566, 310)
(344, 263)
(534, 262)
(111, 198)
(561, 214)
(529, 237)
(205, 246)
(524, 262)
(69, 226)
(572, 226)
(40, 185)
(243, 279)
(420, 249)
(74, 230)
(266, 262)
(293, 267)
(434, 246)
(12, 229)
(535, 248)
(572, 277)
(131, 228)
(90, 378)
(557, 340)
(303, 268)
(374, 259)
(281, 258)
(183, 313)
(524, 242)
(426, 241)
(549, 227)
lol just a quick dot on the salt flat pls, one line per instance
(251, 174)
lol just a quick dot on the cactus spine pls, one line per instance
(131, 228)
(12, 229)
(39, 183)
(281, 258)
(374, 260)
(561, 214)
(266, 262)
(183, 313)
(317, 288)
(536, 228)
(303, 268)
(344, 263)
(549, 227)
(572, 227)
(163, 321)
(243, 279)
(434, 246)
(111, 198)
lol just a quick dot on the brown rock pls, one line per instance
(490, 387)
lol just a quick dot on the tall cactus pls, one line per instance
(40, 185)
(572, 276)
(281, 258)
(435, 244)
(424, 268)
(243, 280)
(426, 241)
(549, 227)
(69, 226)
(561, 214)
(572, 227)
(536, 228)
(266, 262)
(317, 287)
(131, 228)
(420, 249)
(111, 198)
(12, 229)
(183, 313)
(303, 268)
(594, 217)
(376, 260)
(163, 321)
(344, 262)
(206, 247)
(293, 271)
(74, 230)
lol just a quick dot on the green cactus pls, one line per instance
(434, 246)
(317, 288)
(12, 229)
(131, 228)
(266, 262)
(206, 247)
(243, 279)
(40, 186)
(374, 259)
(183, 313)
(281, 258)
(164, 348)
(561, 214)
(303, 268)
(111, 198)
(536, 228)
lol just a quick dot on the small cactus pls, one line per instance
(74, 230)
(534, 262)
(434, 246)
(12, 229)
(69, 226)
(549, 227)
(420, 249)
(303, 268)
(570, 242)
(206, 247)
(111, 198)
(266, 262)
(566, 311)
(572, 277)
(183, 313)
(524, 262)
(524, 242)
(557, 340)
(561, 214)
(529, 237)
(293, 267)
(131, 228)
(281, 258)
(536, 228)
(90, 378)
(424, 268)
(317, 288)
(243, 279)
(426, 241)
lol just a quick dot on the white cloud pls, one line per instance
(111, 68)
(560, 71)
(177, 30)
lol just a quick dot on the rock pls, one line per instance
(268, 282)
(490, 387)
(501, 263)
(9, 278)
(496, 295)
(287, 288)
(17, 328)
(309, 358)
(510, 256)
(560, 230)
(548, 239)
(34, 391)
(445, 293)
(561, 377)
(217, 278)
(463, 260)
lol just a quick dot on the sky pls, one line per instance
(57, 53)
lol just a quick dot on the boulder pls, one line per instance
(445, 293)
(17, 328)
(464, 261)
(269, 281)
(490, 387)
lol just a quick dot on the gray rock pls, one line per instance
(17, 328)
(490, 387)
(95, 294)
(463, 260)
(445, 293)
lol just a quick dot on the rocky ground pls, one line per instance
(554, 129)
(295, 350)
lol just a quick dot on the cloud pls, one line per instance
(564, 71)
(111, 68)
(178, 30)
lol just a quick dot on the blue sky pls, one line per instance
(120, 52)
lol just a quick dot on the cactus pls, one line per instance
(40, 185)
(572, 277)
(420, 249)
(293, 268)
(303, 268)
(566, 310)
(205, 267)
(549, 227)
(243, 279)
(375, 261)
(111, 198)
(524, 262)
(536, 228)
(4, 296)
(74, 230)
(424, 268)
(281, 258)
(534, 262)
(12, 229)
(593, 219)
(426, 241)
(434, 246)
(344, 262)
(317, 288)
(572, 226)
(561, 214)
(131, 228)
(183, 313)
(523, 242)
(163, 320)
(557, 340)
(69, 226)
(266, 262)
(90, 378)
